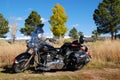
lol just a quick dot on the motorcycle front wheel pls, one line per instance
(20, 66)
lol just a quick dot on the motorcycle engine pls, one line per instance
(52, 61)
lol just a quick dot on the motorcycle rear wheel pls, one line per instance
(20, 66)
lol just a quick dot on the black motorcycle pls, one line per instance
(45, 57)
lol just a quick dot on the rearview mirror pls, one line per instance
(81, 39)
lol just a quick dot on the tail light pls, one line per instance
(80, 48)
(89, 54)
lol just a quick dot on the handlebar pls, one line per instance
(51, 40)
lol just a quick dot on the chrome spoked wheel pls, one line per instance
(20, 66)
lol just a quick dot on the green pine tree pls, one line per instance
(33, 20)
(107, 17)
(3, 26)
(73, 33)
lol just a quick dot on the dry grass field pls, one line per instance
(84, 74)
(104, 53)
(105, 63)
(9, 51)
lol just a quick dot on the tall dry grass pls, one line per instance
(9, 51)
(103, 52)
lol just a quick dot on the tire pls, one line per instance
(19, 67)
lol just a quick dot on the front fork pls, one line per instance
(34, 53)
(29, 60)
(34, 56)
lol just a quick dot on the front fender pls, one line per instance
(24, 55)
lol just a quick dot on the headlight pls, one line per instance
(39, 35)
(32, 44)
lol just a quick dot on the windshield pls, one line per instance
(36, 38)
(38, 31)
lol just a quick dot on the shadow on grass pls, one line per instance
(52, 71)
(8, 69)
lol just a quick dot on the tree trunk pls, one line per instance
(115, 35)
(112, 35)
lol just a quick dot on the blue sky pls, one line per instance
(80, 13)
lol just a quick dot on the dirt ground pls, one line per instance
(84, 74)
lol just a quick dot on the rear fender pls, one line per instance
(24, 55)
